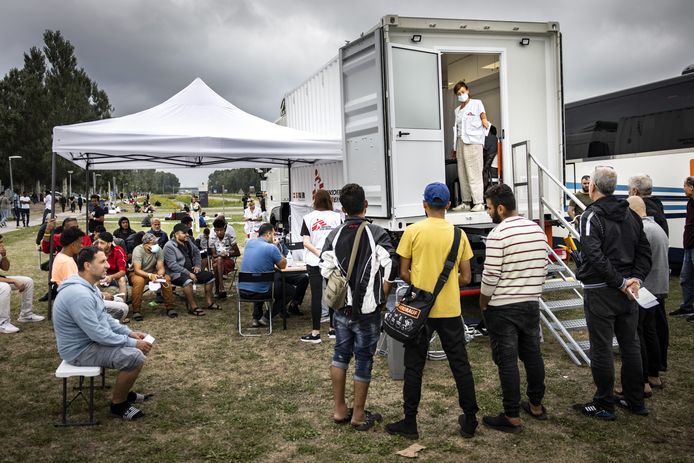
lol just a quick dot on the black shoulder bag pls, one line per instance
(411, 312)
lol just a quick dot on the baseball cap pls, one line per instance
(180, 227)
(437, 194)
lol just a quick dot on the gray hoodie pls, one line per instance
(80, 319)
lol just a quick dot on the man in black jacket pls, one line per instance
(642, 185)
(616, 259)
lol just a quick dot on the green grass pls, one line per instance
(220, 398)
(170, 202)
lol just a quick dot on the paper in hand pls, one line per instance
(149, 339)
(646, 299)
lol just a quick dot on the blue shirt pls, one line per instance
(259, 256)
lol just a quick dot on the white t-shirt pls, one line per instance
(252, 214)
(317, 225)
(468, 124)
(25, 202)
(48, 201)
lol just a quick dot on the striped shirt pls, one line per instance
(515, 265)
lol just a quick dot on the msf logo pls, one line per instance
(317, 183)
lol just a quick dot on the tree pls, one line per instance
(49, 90)
(234, 180)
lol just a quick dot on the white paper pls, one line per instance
(489, 127)
(646, 299)
(149, 339)
(154, 285)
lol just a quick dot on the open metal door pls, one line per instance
(414, 91)
(362, 85)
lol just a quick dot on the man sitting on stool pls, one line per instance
(88, 336)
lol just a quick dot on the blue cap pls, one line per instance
(436, 194)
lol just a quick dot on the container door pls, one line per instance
(362, 85)
(414, 91)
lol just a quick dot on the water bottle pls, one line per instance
(290, 259)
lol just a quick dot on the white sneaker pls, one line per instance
(8, 328)
(478, 208)
(30, 318)
(461, 208)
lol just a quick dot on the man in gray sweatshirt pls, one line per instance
(88, 336)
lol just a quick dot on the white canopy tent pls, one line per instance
(194, 128)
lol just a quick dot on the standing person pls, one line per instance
(4, 209)
(470, 126)
(358, 324)
(687, 272)
(195, 212)
(87, 336)
(47, 205)
(315, 227)
(63, 202)
(25, 287)
(97, 216)
(616, 259)
(657, 282)
(80, 201)
(641, 185)
(16, 207)
(583, 196)
(423, 250)
(515, 267)
(252, 216)
(25, 204)
(72, 204)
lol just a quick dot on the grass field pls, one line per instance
(220, 397)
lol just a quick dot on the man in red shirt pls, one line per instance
(69, 222)
(117, 263)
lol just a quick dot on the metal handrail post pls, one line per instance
(528, 158)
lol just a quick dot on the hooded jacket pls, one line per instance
(613, 245)
(80, 319)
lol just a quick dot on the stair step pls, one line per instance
(564, 304)
(554, 268)
(561, 285)
(571, 325)
(585, 345)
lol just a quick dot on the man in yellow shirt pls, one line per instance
(423, 250)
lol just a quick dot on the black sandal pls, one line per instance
(346, 419)
(369, 422)
(214, 306)
(197, 312)
(171, 313)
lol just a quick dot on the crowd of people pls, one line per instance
(622, 253)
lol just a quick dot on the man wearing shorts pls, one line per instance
(88, 336)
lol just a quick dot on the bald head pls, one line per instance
(637, 205)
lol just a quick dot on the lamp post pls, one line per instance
(70, 184)
(95, 176)
(11, 182)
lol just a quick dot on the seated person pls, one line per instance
(123, 231)
(146, 221)
(202, 220)
(64, 266)
(188, 222)
(117, 263)
(262, 255)
(87, 336)
(297, 283)
(69, 222)
(224, 249)
(148, 265)
(158, 232)
(183, 264)
(25, 287)
(95, 233)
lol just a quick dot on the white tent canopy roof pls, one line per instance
(194, 128)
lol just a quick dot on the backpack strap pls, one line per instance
(355, 248)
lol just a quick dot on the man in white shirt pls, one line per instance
(48, 205)
(252, 216)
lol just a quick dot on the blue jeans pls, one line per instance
(359, 338)
(687, 280)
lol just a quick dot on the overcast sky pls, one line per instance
(253, 51)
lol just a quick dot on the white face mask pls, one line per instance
(463, 98)
(154, 249)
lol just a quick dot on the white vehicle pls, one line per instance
(642, 130)
(388, 96)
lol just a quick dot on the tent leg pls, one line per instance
(87, 198)
(51, 244)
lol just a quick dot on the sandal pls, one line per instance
(369, 422)
(139, 397)
(171, 313)
(214, 306)
(526, 408)
(137, 316)
(197, 311)
(346, 419)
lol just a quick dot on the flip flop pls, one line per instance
(526, 408)
(346, 419)
(197, 312)
(213, 306)
(137, 316)
(171, 313)
(369, 422)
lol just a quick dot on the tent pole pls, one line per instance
(51, 243)
(87, 199)
(289, 187)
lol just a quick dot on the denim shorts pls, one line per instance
(118, 358)
(359, 338)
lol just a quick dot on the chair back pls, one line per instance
(256, 277)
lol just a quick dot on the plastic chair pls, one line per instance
(256, 277)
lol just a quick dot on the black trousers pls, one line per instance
(650, 348)
(663, 330)
(452, 335)
(316, 281)
(609, 313)
(296, 285)
(514, 332)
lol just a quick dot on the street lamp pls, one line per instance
(11, 182)
(70, 187)
(95, 176)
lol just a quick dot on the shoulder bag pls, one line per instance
(336, 287)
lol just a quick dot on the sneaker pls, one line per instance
(255, 323)
(641, 411)
(312, 338)
(682, 311)
(30, 318)
(467, 425)
(403, 428)
(461, 208)
(331, 334)
(264, 321)
(8, 328)
(595, 411)
(478, 208)
(501, 423)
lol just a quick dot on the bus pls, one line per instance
(647, 129)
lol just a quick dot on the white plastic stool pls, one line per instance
(65, 371)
